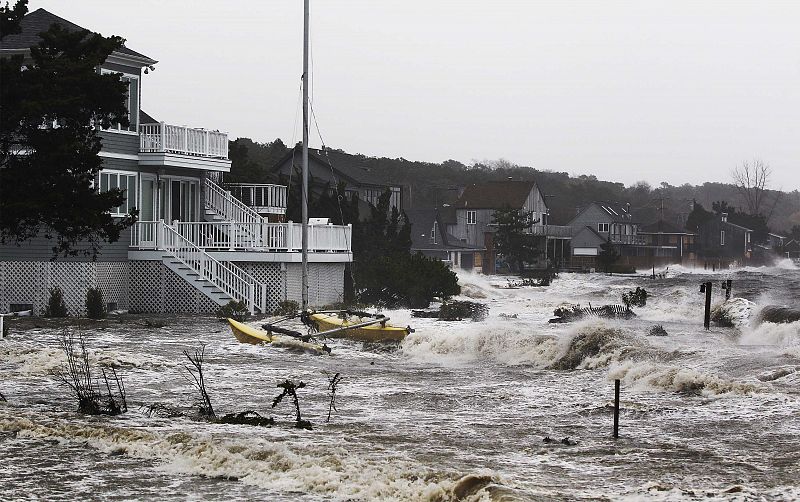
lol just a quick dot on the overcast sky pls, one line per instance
(658, 91)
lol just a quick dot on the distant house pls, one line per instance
(723, 241)
(331, 168)
(775, 241)
(792, 249)
(666, 243)
(429, 236)
(473, 217)
(602, 222)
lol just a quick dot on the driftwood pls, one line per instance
(575, 313)
(246, 418)
(657, 330)
(333, 382)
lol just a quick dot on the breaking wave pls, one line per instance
(327, 471)
(649, 375)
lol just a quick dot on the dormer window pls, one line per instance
(472, 217)
(602, 227)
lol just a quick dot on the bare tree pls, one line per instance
(752, 180)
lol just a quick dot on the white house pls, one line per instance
(195, 246)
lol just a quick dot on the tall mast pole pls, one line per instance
(305, 156)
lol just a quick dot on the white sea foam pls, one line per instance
(643, 375)
(768, 333)
(325, 471)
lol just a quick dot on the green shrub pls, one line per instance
(236, 310)
(636, 298)
(56, 306)
(404, 280)
(95, 308)
(286, 307)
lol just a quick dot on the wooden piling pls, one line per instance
(706, 288)
(616, 408)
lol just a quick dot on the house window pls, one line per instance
(472, 217)
(433, 234)
(602, 227)
(722, 237)
(131, 101)
(126, 182)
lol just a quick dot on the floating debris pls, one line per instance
(455, 311)
(657, 330)
(569, 313)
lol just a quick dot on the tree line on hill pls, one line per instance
(434, 184)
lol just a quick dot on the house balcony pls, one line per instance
(265, 199)
(552, 231)
(162, 144)
(239, 241)
(632, 240)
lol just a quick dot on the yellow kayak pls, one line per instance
(255, 336)
(373, 333)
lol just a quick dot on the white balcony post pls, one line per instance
(287, 233)
(207, 146)
(232, 235)
(162, 130)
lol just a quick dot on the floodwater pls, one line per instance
(458, 411)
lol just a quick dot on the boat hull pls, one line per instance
(255, 336)
(373, 333)
(248, 334)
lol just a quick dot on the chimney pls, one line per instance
(724, 217)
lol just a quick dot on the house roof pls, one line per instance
(737, 226)
(145, 118)
(354, 168)
(616, 212)
(662, 227)
(40, 20)
(495, 195)
(592, 232)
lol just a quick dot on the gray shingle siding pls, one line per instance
(117, 142)
(41, 249)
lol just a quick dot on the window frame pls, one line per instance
(133, 119)
(607, 227)
(117, 212)
(722, 237)
(472, 217)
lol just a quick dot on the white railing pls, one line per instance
(627, 239)
(166, 138)
(228, 206)
(265, 236)
(230, 279)
(263, 198)
(235, 236)
(557, 231)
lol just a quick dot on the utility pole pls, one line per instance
(304, 190)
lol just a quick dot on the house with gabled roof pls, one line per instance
(473, 218)
(194, 247)
(724, 242)
(330, 168)
(429, 236)
(599, 223)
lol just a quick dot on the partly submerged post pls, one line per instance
(304, 189)
(706, 288)
(727, 285)
(616, 408)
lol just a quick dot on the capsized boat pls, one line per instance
(277, 337)
(358, 326)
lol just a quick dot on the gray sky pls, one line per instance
(659, 91)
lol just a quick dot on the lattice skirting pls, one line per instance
(156, 288)
(29, 282)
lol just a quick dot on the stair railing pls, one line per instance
(229, 278)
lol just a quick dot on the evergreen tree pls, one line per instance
(513, 239)
(51, 108)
